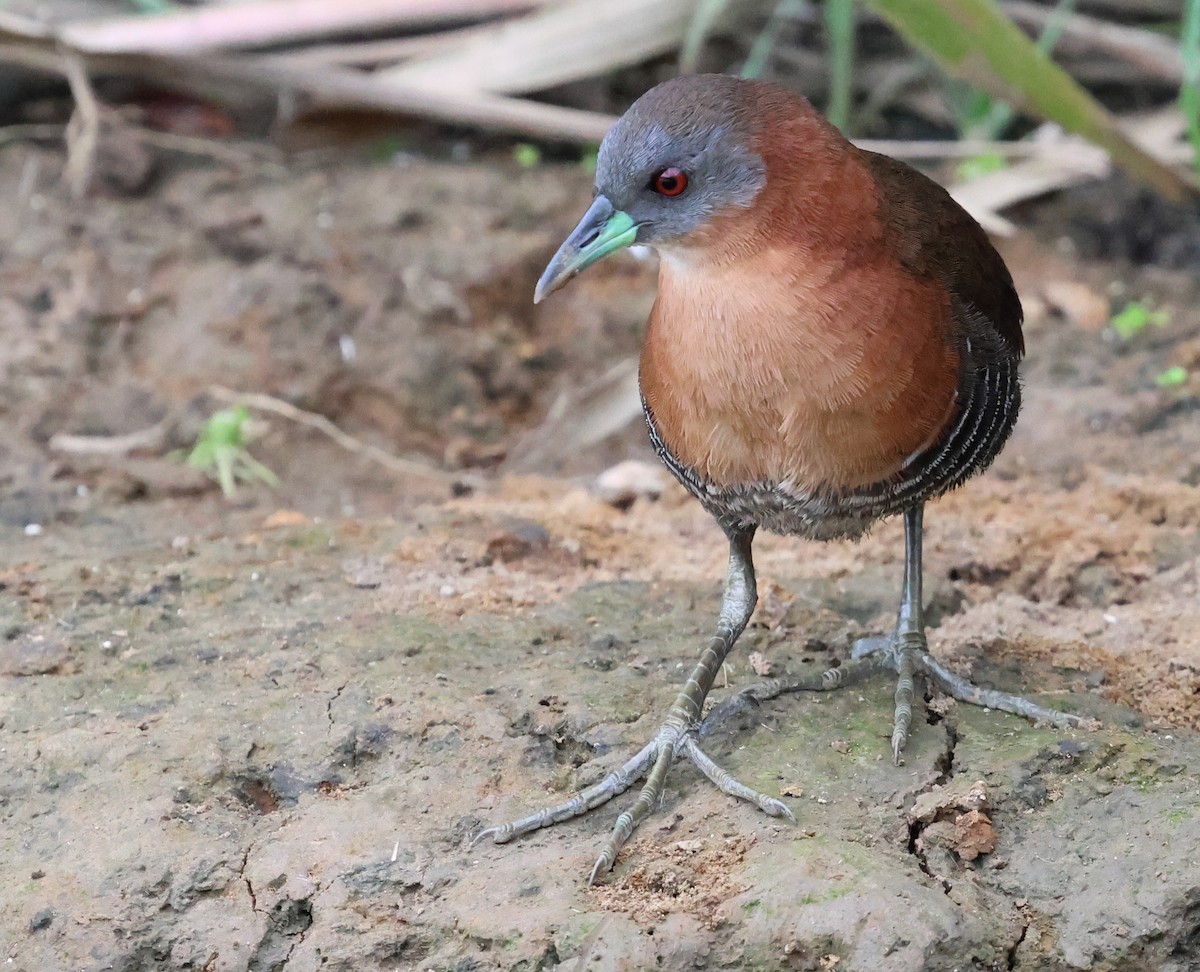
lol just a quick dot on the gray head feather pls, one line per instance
(698, 124)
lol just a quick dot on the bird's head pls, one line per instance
(683, 153)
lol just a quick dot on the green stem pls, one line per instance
(839, 28)
(760, 50)
(1189, 92)
(1001, 114)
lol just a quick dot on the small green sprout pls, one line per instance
(527, 156)
(981, 165)
(1135, 318)
(387, 148)
(221, 452)
(1173, 377)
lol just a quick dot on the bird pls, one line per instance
(834, 341)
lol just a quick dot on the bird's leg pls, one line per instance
(906, 652)
(678, 735)
(901, 651)
(906, 648)
(909, 638)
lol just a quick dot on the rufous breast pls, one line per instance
(824, 371)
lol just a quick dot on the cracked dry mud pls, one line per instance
(258, 736)
(244, 761)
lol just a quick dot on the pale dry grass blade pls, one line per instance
(1068, 162)
(986, 195)
(344, 88)
(83, 130)
(260, 22)
(581, 418)
(334, 88)
(374, 53)
(579, 39)
(18, 26)
(150, 439)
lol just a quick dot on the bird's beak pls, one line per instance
(603, 230)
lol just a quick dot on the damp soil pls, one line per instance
(258, 733)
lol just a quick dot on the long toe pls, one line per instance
(880, 645)
(909, 647)
(726, 783)
(616, 783)
(967, 691)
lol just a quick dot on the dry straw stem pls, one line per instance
(257, 23)
(83, 131)
(144, 440)
(327, 87)
(373, 53)
(561, 43)
(338, 87)
(277, 406)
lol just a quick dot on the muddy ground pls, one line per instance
(257, 734)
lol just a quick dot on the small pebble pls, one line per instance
(626, 482)
(41, 920)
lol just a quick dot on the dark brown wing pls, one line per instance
(934, 236)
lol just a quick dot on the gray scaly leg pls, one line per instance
(678, 735)
(906, 652)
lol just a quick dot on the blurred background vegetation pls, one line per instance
(978, 70)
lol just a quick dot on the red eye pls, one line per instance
(670, 182)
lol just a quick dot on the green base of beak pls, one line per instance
(603, 230)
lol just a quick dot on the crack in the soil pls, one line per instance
(945, 767)
(329, 705)
(1012, 952)
(311, 919)
(246, 880)
(945, 762)
(914, 834)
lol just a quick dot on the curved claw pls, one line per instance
(600, 867)
(489, 832)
